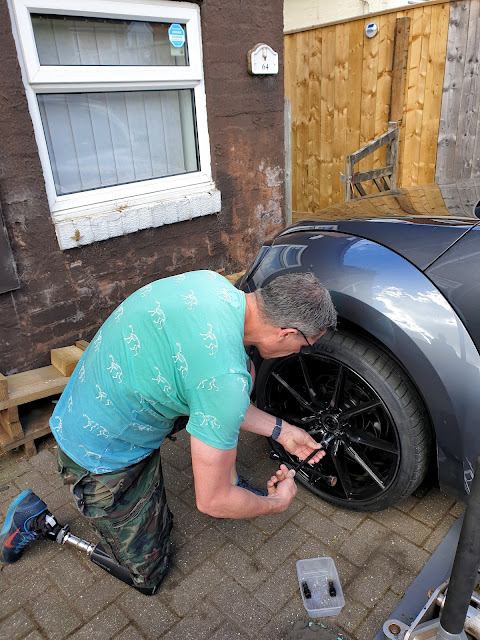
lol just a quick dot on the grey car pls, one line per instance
(397, 386)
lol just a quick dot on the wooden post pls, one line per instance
(399, 69)
(287, 114)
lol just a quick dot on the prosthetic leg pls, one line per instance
(51, 529)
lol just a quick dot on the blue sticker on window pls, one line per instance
(176, 35)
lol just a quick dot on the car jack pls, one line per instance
(53, 530)
(452, 610)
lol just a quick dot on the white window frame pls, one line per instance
(97, 214)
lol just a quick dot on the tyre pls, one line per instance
(350, 391)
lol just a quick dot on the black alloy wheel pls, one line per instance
(352, 393)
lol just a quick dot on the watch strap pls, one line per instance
(278, 428)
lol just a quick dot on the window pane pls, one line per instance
(103, 139)
(79, 41)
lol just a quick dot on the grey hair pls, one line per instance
(298, 300)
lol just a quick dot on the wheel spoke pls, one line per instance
(339, 386)
(341, 469)
(294, 393)
(356, 411)
(307, 378)
(369, 440)
(365, 464)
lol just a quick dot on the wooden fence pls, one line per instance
(458, 156)
(339, 83)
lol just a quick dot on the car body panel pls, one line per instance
(421, 240)
(388, 296)
(456, 274)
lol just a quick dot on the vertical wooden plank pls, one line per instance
(290, 94)
(411, 95)
(454, 69)
(399, 70)
(369, 99)
(355, 85)
(433, 93)
(340, 109)
(327, 103)
(313, 146)
(386, 32)
(469, 111)
(301, 88)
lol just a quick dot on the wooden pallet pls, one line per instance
(23, 388)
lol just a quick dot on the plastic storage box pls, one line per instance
(314, 576)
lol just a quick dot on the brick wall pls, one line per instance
(65, 295)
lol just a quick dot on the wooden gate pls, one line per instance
(339, 83)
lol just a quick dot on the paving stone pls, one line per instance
(6, 496)
(98, 595)
(35, 481)
(68, 573)
(322, 528)
(366, 538)
(103, 626)
(351, 616)
(175, 480)
(457, 509)
(55, 615)
(281, 545)
(35, 635)
(130, 633)
(348, 519)
(279, 588)
(439, 532)
(432, 507)
(242, 532)
(148, 613)
(310, 499)
(22, 592)
(189, 522)
(177, 456)
(196, 626)
(272, 523)
(312, 548)
(185, 596)
(408, 504)
(45, 462)
(405, 553)
(228, 631)
(241, 606)
(57, 498)
(16, 626)
(201, 547)
(10, 471)
(373, 580)
(403, 524)
(243, 567)
(381, 612)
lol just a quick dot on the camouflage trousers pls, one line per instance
(128, 509)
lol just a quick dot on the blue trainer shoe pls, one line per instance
(18, 529)
(245, 484)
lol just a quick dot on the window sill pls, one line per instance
(88, 225)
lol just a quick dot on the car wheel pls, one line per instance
(350, 391)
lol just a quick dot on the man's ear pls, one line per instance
(284, 333)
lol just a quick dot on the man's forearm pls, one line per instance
(240, 503)
(257, 421)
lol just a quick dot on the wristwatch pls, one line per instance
(278, 428)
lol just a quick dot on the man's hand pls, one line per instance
(282, 484)
(297, 442)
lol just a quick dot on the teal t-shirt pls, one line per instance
(173, 348)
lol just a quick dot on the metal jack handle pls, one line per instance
(330, 480)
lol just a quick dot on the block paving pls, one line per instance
(230, 579)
